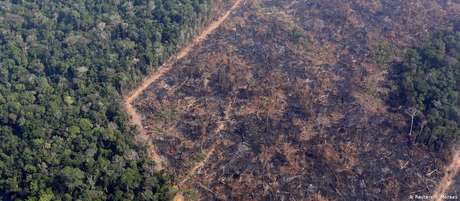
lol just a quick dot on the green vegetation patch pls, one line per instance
(430, 85)
(63, 68)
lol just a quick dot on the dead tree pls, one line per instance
(424, 122)
(412, 112)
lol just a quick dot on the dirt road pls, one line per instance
(449, 174)
(136, 118)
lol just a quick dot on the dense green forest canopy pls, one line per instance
(430, 85)
(63, 67)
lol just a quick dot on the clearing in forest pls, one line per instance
(308, 116)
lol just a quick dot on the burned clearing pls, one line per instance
(287, 100)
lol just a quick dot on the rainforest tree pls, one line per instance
(63, 68)
(430, 84)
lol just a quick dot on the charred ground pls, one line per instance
(300, 88)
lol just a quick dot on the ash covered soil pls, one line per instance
(290, 102)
